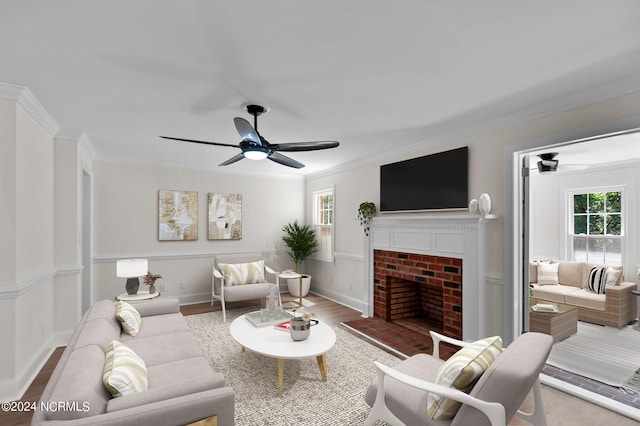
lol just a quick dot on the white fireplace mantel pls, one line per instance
(461, 236)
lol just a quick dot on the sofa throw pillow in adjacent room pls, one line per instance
(547, 273)
(243, 273)
(597, 280)
(124, 371)
(129, 317)
(461, 372)
(613, 276)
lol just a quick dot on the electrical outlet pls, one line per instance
(162, 287)
(183, 285)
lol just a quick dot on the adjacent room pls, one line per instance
(239, 213)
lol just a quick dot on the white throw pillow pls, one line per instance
(129, 317)
(613, 276)
(547, 273)
(243, 273)
(124, 371)
(461, 372)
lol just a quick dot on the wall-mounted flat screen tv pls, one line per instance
(433, 182)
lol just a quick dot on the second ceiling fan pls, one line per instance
(255, 147)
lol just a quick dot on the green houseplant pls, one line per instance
(301, 243)
(366, 211)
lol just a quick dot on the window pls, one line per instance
(323, 223)
(596, 228)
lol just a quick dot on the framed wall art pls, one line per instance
(177, 215)
(225, 216)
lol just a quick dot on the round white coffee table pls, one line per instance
(278, 344)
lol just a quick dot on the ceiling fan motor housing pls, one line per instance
(547, 162)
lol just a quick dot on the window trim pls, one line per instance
(627, 188)
(314, 216)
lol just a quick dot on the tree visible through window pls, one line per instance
(323, 223)
(597, 227)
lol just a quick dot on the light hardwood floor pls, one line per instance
(561, 408)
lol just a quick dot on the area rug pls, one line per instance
(606, 354)
(306, 399)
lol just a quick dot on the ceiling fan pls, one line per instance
(549, 163)
(255, 147)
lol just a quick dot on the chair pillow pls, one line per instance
(461, 372)
(243, 273)
(597, 279)
(547, 273)
(124, 372)
(129, 317)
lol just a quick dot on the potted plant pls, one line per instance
(366, 211)
(301, 243)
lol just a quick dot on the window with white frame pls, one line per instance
(323, 223)
(596, 228)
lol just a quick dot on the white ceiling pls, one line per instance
(374, 75)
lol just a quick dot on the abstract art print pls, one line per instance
(177, 215)
(225, 216)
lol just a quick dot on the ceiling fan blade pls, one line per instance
(233, 159)
(202, 142)
(303, 146)
(246, 131)
(284, 160)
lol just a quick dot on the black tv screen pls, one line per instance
(433, 182)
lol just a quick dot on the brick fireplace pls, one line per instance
(410, 285)
(429, 249)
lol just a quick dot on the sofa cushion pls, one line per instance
(547, 273)
(553, 293)
(81, 382)
(570, 273)
(585, 298)
(98, 332)
(158, 325)
(183, 345)
(243, 273)
(461, 372)
(172, 380)
(129, 318)
(124, 371)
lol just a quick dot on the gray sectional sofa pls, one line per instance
(182, 388)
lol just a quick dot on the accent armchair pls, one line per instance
(399, 395)
(240, 277)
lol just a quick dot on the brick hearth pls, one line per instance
(394, 298)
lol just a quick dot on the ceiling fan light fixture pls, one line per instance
(548, 162)
(256, 153)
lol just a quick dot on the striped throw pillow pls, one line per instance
(597, 279)
(129, 317)
(461, 372)
(124, 372)
(547, 273)
(243, 273)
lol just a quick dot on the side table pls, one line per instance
(141, 295)
(289, 275)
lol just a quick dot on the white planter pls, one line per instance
(294, 285)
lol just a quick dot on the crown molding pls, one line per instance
(80, 138)
(23, 97)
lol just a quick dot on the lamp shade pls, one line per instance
(128, 268)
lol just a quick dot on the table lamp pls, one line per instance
(131, 269)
